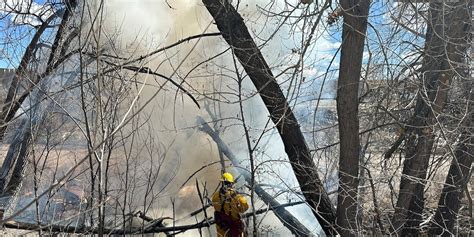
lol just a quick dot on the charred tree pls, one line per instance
(235, 32)
(445, 49)
(355, 15)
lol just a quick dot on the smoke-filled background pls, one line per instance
(111, 95)
(161, 155)
(141, 27)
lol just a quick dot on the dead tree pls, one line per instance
(235, 32)
(353, 35)
(286, 218)
(445, 48)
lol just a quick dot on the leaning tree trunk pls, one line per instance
(445, 48)
(449, 203)
(233, 29)
(20, 147)
(456, 181)
(353, 36)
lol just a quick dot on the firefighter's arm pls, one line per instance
(242, 204)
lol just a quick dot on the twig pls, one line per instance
(197, 171)
(147, 70)
(408, 28)
(374, 197)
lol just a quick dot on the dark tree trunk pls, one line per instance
(459, 173)
(445, 49)
(233, 29)
(353, 36)
(456, 181)
(19, 149)
(10, 106)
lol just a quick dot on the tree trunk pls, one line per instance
(456, 181)
(459, 171)
(353, 36)
(445, 48)
(18, 150)
(233, 29)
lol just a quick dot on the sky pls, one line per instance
(325, 47)
(10, 57)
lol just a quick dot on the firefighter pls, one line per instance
(228, 205)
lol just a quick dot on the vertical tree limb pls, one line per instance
(353, 36)
(450, 200)
(449, 203)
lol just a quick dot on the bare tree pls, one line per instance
(445, 48)
(353, 36)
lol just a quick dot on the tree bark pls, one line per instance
(353, 35)
(459, 173)
(233, 29)
(456, 181)
(445, 49)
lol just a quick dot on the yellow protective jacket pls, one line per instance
(230, 203)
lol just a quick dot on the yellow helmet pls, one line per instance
(227, 177)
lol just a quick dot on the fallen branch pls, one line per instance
(88, 230)
(153, 228)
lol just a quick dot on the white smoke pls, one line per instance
(143, 26)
